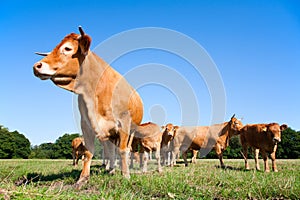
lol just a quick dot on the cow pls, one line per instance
(108, 105)
(77, 149)
(205, 137)
(262, 138)
(148, 137)
(194, 157)
(169, 132)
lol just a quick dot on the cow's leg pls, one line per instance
(141, 153)
(194, 158)
(162, 156)
(109, 151)
(124, 153)
(184, 156)
(85, 173)
(169, 157)
(245, 155)
(219, 152)
(104, 148)
(77, 158)
(265, 158)
(256, 154)
(131, 160)
(175, 152)
(273, 158)
(126, 138)
(157, 156)
(88, 149)
(74, 156)
(145, 162)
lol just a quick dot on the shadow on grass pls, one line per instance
(232, 168)
(74, 174)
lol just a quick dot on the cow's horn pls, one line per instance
(81, 31)
(42, 54)
(233, 116)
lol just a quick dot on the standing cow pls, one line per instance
(108, 105)
(147, 138)
(262, 138)
(168, 134)
(205, 137)
(77, 149)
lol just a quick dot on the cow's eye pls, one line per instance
(68, 49)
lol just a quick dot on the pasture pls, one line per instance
(54, 179)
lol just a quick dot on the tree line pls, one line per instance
(15, 145)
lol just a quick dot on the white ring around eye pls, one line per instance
(67, 45)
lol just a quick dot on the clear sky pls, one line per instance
(255, 46)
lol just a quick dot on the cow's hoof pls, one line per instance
(275, 170)
(159, 171)
(267, 171)
(110, 171)
(126, 175)
(82, 181)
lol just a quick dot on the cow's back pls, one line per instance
(253, 135)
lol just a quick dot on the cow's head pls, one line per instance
(170, 130)
(63, 63)
(235, 125)
(274, 131)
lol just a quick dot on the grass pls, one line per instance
(54, 179)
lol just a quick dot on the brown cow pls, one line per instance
(194, 153)
(195, 138)
(263, 138)
(169, 132)
(149, 137)
(108, 105)
(77, 149)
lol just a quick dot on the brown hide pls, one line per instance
(108, 105)
(215, 136)
(262, 138)
(77, 149)
(149, 137)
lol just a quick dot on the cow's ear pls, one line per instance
(163, 127)
(283, 127)
(176, 127)
(84, 44)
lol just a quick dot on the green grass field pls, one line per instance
(54, 179)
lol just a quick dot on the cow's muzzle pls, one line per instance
(276, 139)
(42, 70)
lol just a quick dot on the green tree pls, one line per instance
(234, 149)
(43, 151)
(289, 147)
(13, 144)
(62, 146)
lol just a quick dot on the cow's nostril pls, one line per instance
(38, 65)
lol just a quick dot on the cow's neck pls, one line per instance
(87, 81)
(91, 68)
(225, 132)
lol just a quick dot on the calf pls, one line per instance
(77, 149)
(263, 138)
(169, 132)
(195, 138)
(149, 137)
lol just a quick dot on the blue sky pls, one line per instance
(254, 44)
